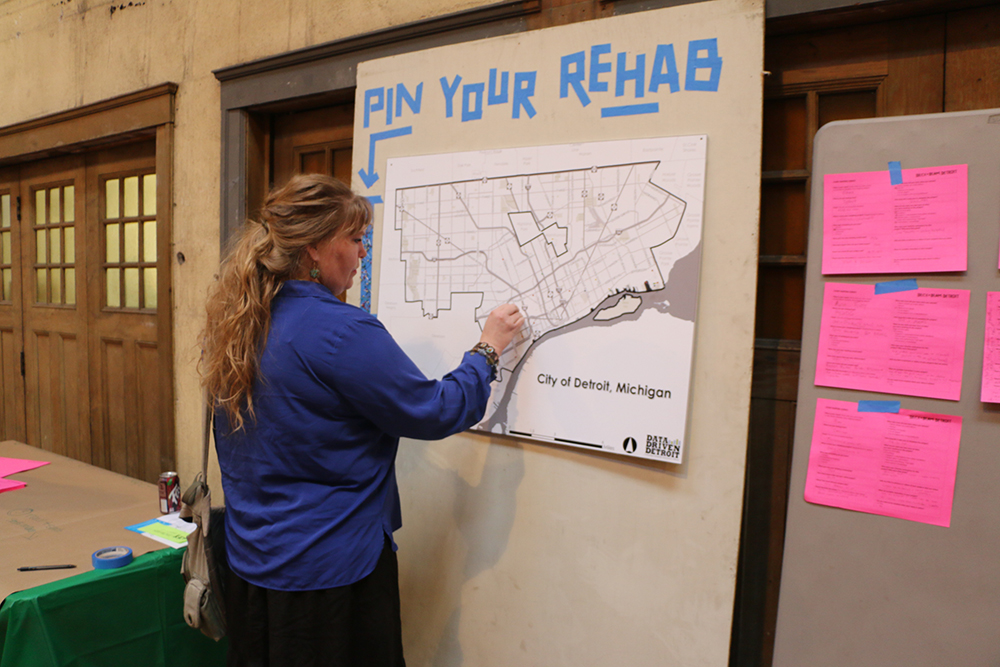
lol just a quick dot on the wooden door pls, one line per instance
(123, 287)
(12, 424)
(85, 361)
(54, 306)
(314, 141)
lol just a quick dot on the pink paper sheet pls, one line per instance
(990, 391)
(899, 465)
(918, 226)
(11, 485)
(9, 466)
(910, 342)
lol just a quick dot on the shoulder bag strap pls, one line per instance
(209, 415)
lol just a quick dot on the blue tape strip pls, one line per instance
(630, 110)
(905, 285)
(878, 406)
(366, 271)
(109, 558)
(895, 173)
(375, 199)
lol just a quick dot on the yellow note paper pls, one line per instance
(170, 533)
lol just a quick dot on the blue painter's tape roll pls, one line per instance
(109, 558)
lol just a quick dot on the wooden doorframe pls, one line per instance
(140, 115)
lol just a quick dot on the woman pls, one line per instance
(311, 396)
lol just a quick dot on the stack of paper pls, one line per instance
(169, 529)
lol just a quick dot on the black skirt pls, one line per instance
(357, 625)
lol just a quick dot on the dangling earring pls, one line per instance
(314, 273)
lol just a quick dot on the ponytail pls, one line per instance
(266, 253)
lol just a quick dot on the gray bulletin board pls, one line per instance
(859, 589)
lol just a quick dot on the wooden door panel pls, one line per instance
(314, 141)
(342, 159)
(831, 55)
(57, 366)
(973, 62)
(785, 123)
(148, 413)
(782, 205)
(116, 407)
(130, 412)
(915, 75)
(848, 105)
(12, 396)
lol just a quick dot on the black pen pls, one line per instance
(33, 568)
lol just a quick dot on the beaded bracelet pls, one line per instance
(489, 353)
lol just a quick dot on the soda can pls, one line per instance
(170, 492)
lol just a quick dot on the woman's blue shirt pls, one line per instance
(310, 483)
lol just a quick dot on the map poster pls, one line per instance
(609, 106)
(598, 243)
(603, 176)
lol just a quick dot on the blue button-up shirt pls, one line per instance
(310, 484)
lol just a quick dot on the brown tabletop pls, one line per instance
(67, 511)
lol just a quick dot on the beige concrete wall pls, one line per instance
(61, 54)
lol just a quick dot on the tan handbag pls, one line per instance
(204, 564)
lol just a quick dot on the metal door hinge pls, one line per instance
(19, 219)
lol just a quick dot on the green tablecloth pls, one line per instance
(126, 617)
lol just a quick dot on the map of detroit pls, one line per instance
(598, 243)
(556, 244)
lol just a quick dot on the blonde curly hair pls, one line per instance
(268, 251)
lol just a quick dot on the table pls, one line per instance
(85, 617)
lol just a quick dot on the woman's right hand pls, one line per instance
(501, 325)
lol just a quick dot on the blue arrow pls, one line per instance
(370, 177)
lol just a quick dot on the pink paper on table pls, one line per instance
(11, 485)
(990, 392)
(9, 466)
(918, 226)
(910, 342)
(899, 465)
